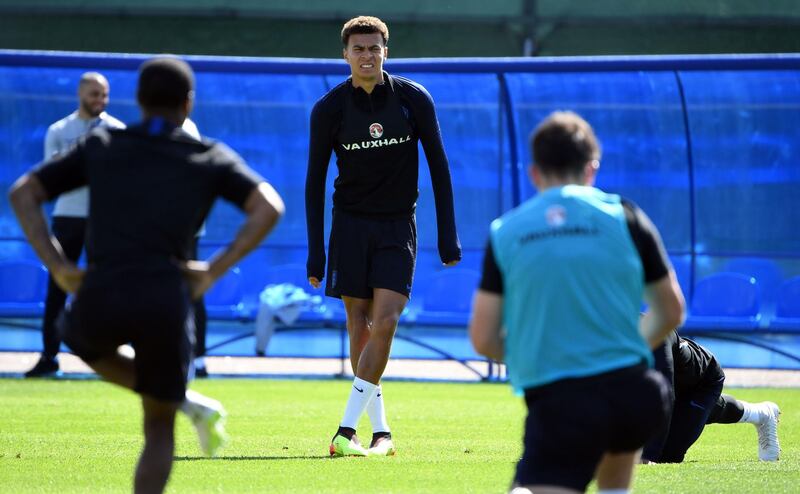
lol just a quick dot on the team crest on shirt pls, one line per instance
(376, 130)
(555, 215)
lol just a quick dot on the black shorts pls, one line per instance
(367, 253)
(573, 422)
(151, 312)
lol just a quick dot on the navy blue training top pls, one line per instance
(375, 140)
(151, 186)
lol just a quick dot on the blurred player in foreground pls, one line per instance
(564, 275)
(151, 186)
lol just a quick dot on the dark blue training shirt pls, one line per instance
(150, 188)
(375, 139)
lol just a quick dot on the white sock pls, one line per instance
(377, 413)
(613, 491)
(360, 395)
(751, 413)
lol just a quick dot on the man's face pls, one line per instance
(365, 53)
(93, 97)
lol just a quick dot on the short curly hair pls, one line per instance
(364, 24)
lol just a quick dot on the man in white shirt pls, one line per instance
(71, 209)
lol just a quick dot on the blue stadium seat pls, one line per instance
(725, 302)
(23, 286)
(446, 297)
(767, 273)
(787, 310)
(224, 300)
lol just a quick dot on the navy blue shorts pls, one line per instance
(368, 253)
(572, 423)
(150, 311)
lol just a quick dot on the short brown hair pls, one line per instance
(563, 143)
(364, 24)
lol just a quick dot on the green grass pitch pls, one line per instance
(84, 436)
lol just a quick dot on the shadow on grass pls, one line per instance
(248, 458)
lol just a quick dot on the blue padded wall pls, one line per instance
(265, 119)
(638, 118)
(745, 128)
(468, 107)
(31, 99)
(708, 146)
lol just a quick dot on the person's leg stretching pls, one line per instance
(155, 462)
(664, 363)
(688, 421)
(116, 368)
(727, 410)
(615, 472)
(207, 415)
(764, 415)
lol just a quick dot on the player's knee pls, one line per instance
(357, 321)
(358, 342)
(385, 324)
(356, 328)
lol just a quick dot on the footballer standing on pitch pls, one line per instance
(150, 187)
(373, 122)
